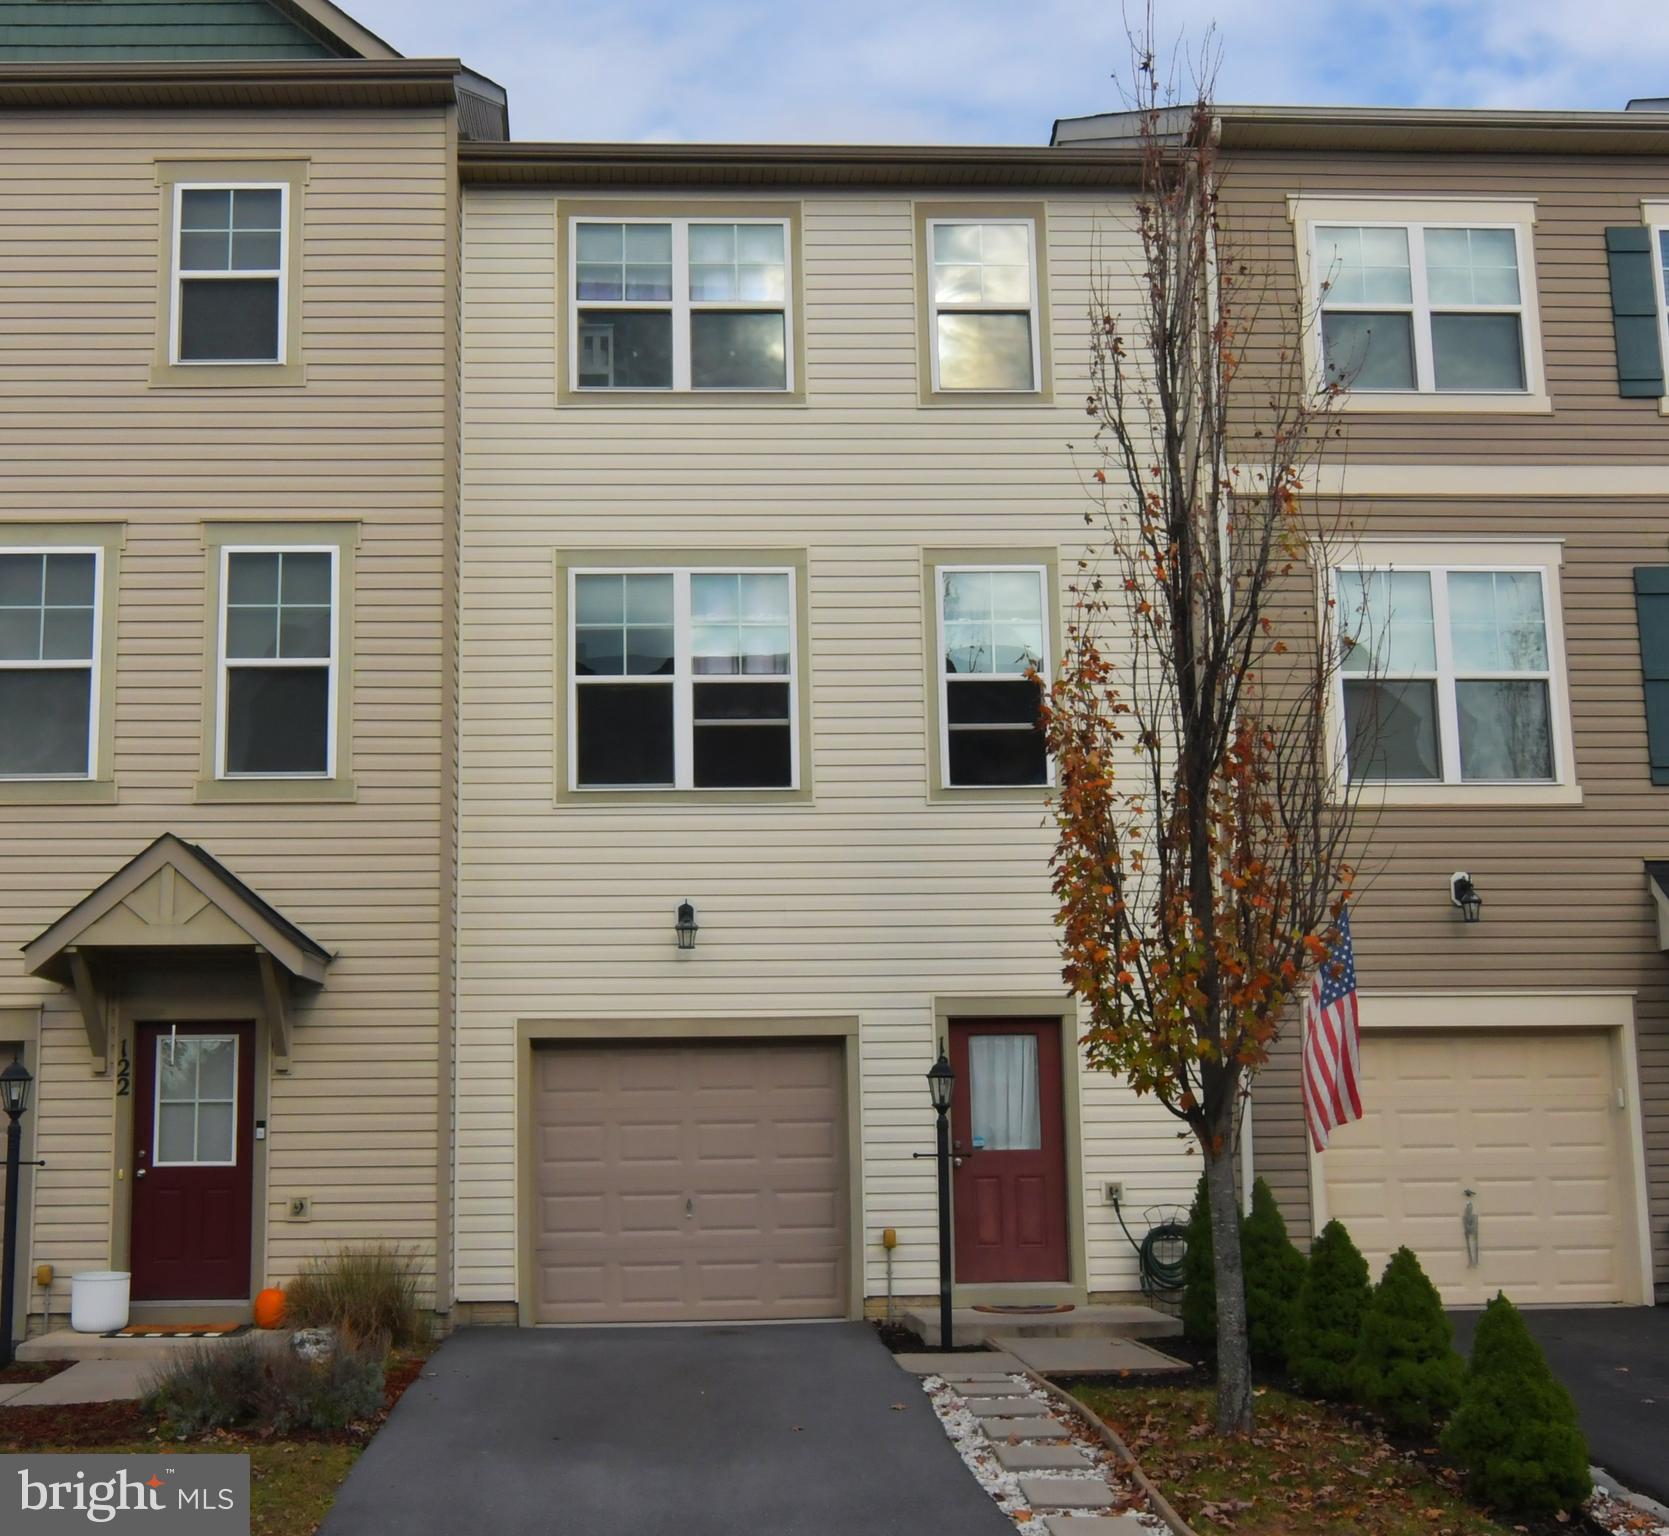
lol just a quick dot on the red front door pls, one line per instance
(193, 1161)
(1007, 1132)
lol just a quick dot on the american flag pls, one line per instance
(1332, 1043)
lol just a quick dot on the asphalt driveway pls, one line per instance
(710, 1431)
(1615, 1361)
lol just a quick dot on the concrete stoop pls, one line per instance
(66, 1344)
(1112, 1320)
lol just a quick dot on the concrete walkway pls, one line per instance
(796, 1430)
(90, 1381)
(1615, 1361)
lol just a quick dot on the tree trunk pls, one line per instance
(1234, 1358)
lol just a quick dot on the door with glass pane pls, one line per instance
(193, 1171)
(1009, 1183)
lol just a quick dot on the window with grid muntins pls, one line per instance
(983, 285)
(1446, 676)
(683, 679)
(278, 663)
(48, 663)
(1422, 308)
(229, 274)
(993, 633)
(681, 304)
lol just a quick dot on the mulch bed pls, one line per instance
(32, 1371)
(906, 1341)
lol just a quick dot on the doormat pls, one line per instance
(179, 1331)
(1043, 1310)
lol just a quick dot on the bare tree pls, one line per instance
(1201, 863)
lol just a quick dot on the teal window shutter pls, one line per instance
(1651, 603)
(1628, 251)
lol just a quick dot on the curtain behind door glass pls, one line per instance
(1003, 1094)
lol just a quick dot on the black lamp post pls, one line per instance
(941, 1083)
(15, 1083)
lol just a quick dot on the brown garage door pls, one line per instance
(689, 1182)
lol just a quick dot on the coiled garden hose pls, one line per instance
(1159, 1273)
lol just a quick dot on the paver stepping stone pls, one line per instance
(968, 1364)
(1039, 1428)
(984, 1391)
(1066, 1493)
(1106, 1525)
(1006, 1407)
(1040, 1458)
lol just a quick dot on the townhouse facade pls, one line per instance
(1489, 288)
(227, 524)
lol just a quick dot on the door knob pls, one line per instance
(140, 1173)
(956, 1162)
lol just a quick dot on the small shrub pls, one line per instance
(1516, 1433)
(1406, 1369)
(363, 1292)
(1274, 1276)
(251, 1384)
(1199, 1278)
(1327, 1318)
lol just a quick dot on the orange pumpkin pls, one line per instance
(269, 1309)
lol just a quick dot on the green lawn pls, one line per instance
(1306, 1471)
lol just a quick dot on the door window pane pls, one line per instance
(196, 1094)
(1368, 351)
(1005, 1107)
(1506, 730)
(744, 350)
(985, 351)
(278, 720)
(625, 349)
(176, 1133)
(1391, 730)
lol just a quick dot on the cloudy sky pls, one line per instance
(1000, 71)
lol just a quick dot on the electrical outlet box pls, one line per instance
(1113, 1192)
(301, 1208)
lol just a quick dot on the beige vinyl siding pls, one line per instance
(354, 1126)
(1575, 198)
(867, 901)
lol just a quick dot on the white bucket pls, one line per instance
(99, 1301)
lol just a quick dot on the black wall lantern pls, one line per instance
(1465, 895)
(687, 925)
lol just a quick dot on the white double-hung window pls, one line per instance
(680, 304)
(230, 276)
(49, 662)
(683, 679)
(1422, 307)
(1450, 675)
(993, 650)
(983, 287)
(279, 649)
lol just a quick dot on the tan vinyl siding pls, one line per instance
(1576, 198)
(354, 1126)
(867, 901)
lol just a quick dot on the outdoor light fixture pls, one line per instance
(1465, 895)
(15, 1083)
(941, 1082)
(687, 925)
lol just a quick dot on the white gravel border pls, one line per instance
(968, 1435)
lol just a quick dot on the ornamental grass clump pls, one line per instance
(1327, 1317)
(1199, 1278)
(1406, 1369)
(1516, 1434)
(363, 1292)
(263, 1385)
(1274, 1276)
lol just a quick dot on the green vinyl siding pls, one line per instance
(63, 30)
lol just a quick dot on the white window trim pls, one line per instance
(1437, 556)
(179, 275)
(683, 680)
(95, 666)
(1517, 214)
(939, 573)
(681, 306)
(225, 664)
(983, 308)
(157, 1160)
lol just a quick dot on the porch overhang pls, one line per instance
(174, 902)
(1657, 882)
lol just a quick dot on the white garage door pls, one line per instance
(1529, 1122)
(689, 1182)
